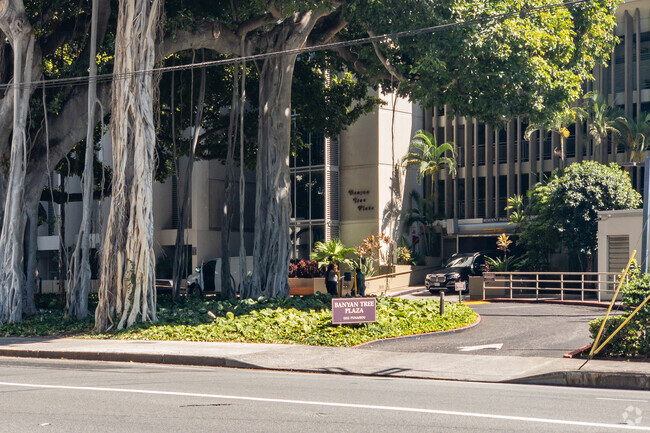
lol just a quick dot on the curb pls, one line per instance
(578, 351)
(590, 379)
(549, 301)
(145, 358)
(447, 331)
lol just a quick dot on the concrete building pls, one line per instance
(354, 186)
(496, 164)
(349, 187)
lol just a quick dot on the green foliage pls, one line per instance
(624, 344)
(300, 320)
(422, 214)
(404, 256)
(501, 264)
(634, 339)
(634, 134)
(305, 320)
(530, 64)
(516, 208)
(600, 116)
(428, 156)
(564, 210)
(332, 251)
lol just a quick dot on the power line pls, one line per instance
(62, 82)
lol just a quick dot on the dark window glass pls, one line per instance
(302, 195)
(317, 195)
(481, 197)
(480, 145)
(293, 200)
(303, 247)
(302, 155)
(317, 149)
(525, 179)
(547, 145)
(317, 234)
(503, 146)
(571, 142)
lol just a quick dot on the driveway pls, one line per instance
(516, 329)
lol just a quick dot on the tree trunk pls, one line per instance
(79, 274)
(13, 224)
(270, 276)
(229, 203)
(62, 249)
(243, 271)
(273, 204)
(30, 248)
(127, 287)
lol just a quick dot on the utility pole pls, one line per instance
(646, 216)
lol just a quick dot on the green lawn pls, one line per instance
(299, 320)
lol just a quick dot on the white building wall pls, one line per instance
(370, 151)
(617, 223)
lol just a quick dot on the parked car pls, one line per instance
(207, 277)
(164, 285)
(458, 268)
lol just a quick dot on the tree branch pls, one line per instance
(384, 61)
(359, 67)
(209, 35)
(249, 25)
(334, 29)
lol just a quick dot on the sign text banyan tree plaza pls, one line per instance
(351, 310)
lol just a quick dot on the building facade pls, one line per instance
(353, 186)
(496, 164)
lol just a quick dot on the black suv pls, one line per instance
(458, 268)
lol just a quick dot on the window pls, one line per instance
(480, 145)
(317, 185)
(503, 145)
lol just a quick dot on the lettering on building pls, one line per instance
(360, 198)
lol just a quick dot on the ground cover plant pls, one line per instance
(299, 320)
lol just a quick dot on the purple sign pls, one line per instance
(351, 310)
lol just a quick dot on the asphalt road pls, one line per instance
(518, 329)
(73, 396)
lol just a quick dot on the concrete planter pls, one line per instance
(306, 286)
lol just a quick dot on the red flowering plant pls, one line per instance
(304, 269)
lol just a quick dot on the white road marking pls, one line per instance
(495, 346)
(333, 404)
(621, 399)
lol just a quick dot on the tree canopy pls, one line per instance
(491, 60)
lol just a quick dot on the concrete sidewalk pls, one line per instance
(356, 361)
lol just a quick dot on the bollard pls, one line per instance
(442, 303)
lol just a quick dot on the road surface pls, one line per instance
(73, 396)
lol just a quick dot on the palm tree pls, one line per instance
(429, 157)
(560, 123)
(600, 115)
(634, 134)
(332, 251)
(422, 214)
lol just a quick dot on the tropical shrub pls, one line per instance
(332, 251)
(563, 211)
(634, 339)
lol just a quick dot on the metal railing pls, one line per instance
(565, 285)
